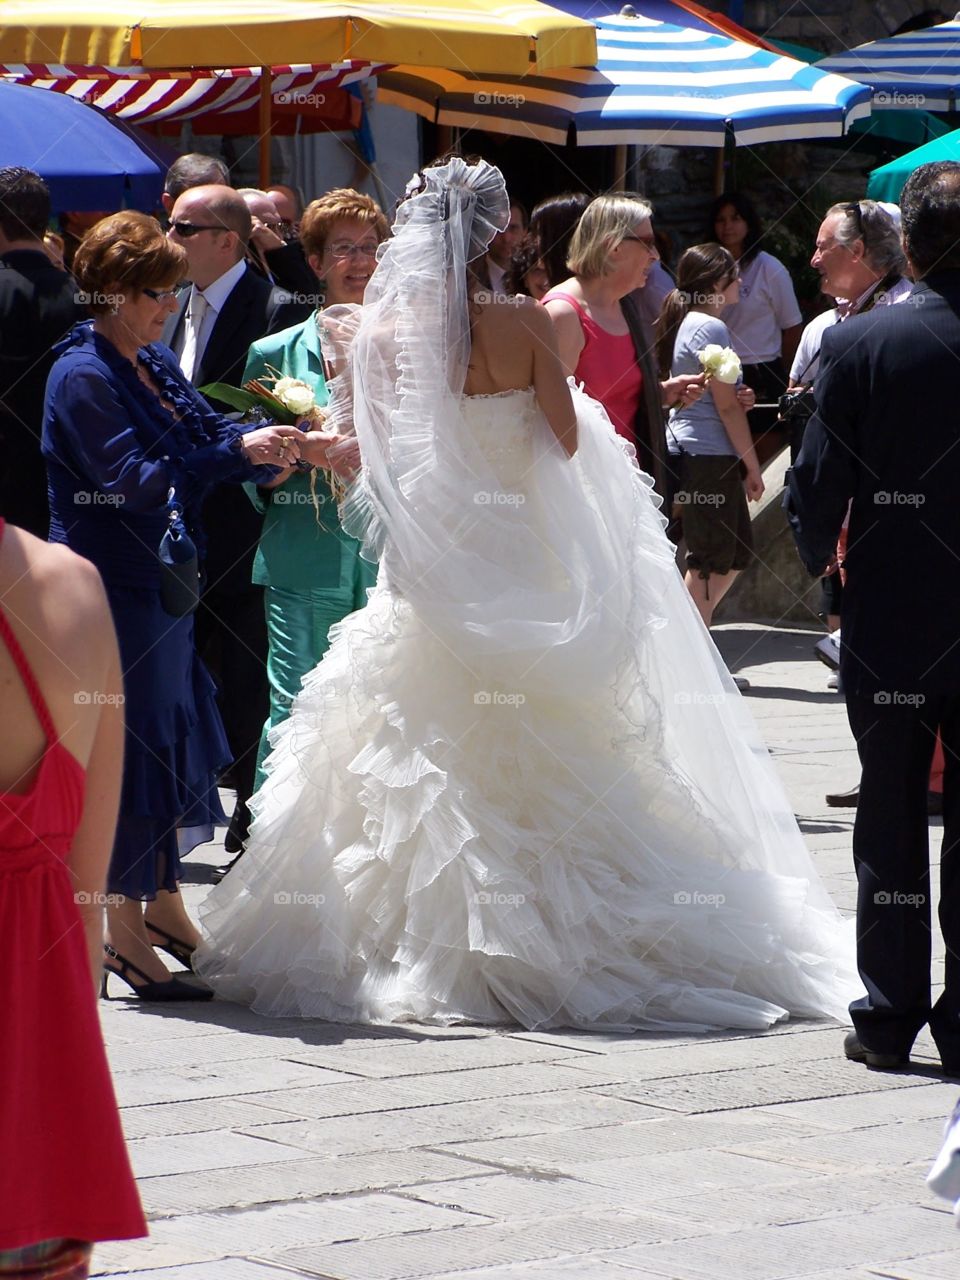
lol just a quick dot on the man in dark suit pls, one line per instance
(38, 304)
(885, 435)
(225, 309)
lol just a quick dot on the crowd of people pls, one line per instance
(424, 623)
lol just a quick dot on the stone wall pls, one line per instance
(830, 25)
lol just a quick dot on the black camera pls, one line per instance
(796, 407)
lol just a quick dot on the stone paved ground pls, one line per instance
(269, 1148)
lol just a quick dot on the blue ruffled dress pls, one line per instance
(113, 451)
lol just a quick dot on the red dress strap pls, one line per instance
(554, 295)
(37, 699)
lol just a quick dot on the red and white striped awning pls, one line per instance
(305, 97)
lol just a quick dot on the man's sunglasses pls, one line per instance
(187, 229)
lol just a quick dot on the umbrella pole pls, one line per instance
(266, 123)
(620, 167)
(718, 170)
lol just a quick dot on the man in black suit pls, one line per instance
(38, 304)
(886, 435)
(225, 309)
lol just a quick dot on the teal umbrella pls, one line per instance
(886, 183)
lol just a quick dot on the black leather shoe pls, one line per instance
(855, 1051)
(844, 799)
(239, 829)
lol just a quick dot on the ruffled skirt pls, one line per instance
(430, 846)
(174, 751)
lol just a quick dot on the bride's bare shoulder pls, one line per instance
(514, 314)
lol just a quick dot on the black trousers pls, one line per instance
(895, 740)
(231, 635)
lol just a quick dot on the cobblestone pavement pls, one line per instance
(270, 1148)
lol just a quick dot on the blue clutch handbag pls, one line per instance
(179, 565)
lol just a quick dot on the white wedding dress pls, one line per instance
(465, 833)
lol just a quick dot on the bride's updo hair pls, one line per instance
(490, 210)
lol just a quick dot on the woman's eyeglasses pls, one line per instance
(648, 242)
(347, 249)
(160, 295)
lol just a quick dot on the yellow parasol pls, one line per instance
(508, 36)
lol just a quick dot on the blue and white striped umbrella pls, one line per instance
(655, 84)
(915, 69)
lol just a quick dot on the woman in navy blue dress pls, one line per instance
(121, 427)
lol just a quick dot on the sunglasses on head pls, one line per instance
(854, 208)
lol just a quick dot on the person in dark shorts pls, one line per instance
(715, 459)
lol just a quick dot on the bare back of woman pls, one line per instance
(514, 348)
(56, 608)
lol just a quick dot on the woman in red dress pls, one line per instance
(65, 1181)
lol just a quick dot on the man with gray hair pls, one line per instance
(861, 264)
(192, 170)
(883, 440)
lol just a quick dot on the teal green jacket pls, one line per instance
(302, 547)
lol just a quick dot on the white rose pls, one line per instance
(728, 369)
(721, 363)
(294, 395)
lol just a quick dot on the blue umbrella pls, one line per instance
(84, 158)
(913, 69)
(655, 83)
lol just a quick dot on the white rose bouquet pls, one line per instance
(295, 395)
(277, 398)
(721, 363)
(286, 401)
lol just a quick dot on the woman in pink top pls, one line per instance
(611, 254)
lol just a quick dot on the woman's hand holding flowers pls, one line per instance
(274, 446)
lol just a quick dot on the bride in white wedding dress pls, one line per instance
(520, 786)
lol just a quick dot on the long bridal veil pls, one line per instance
(629, 803)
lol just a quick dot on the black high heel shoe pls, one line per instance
(175, 988)
(175, 947)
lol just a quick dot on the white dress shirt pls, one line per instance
(196, 337)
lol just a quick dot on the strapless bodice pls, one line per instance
(503, 425)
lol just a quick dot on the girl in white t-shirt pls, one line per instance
(765, 323)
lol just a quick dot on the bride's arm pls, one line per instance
(549, 379)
